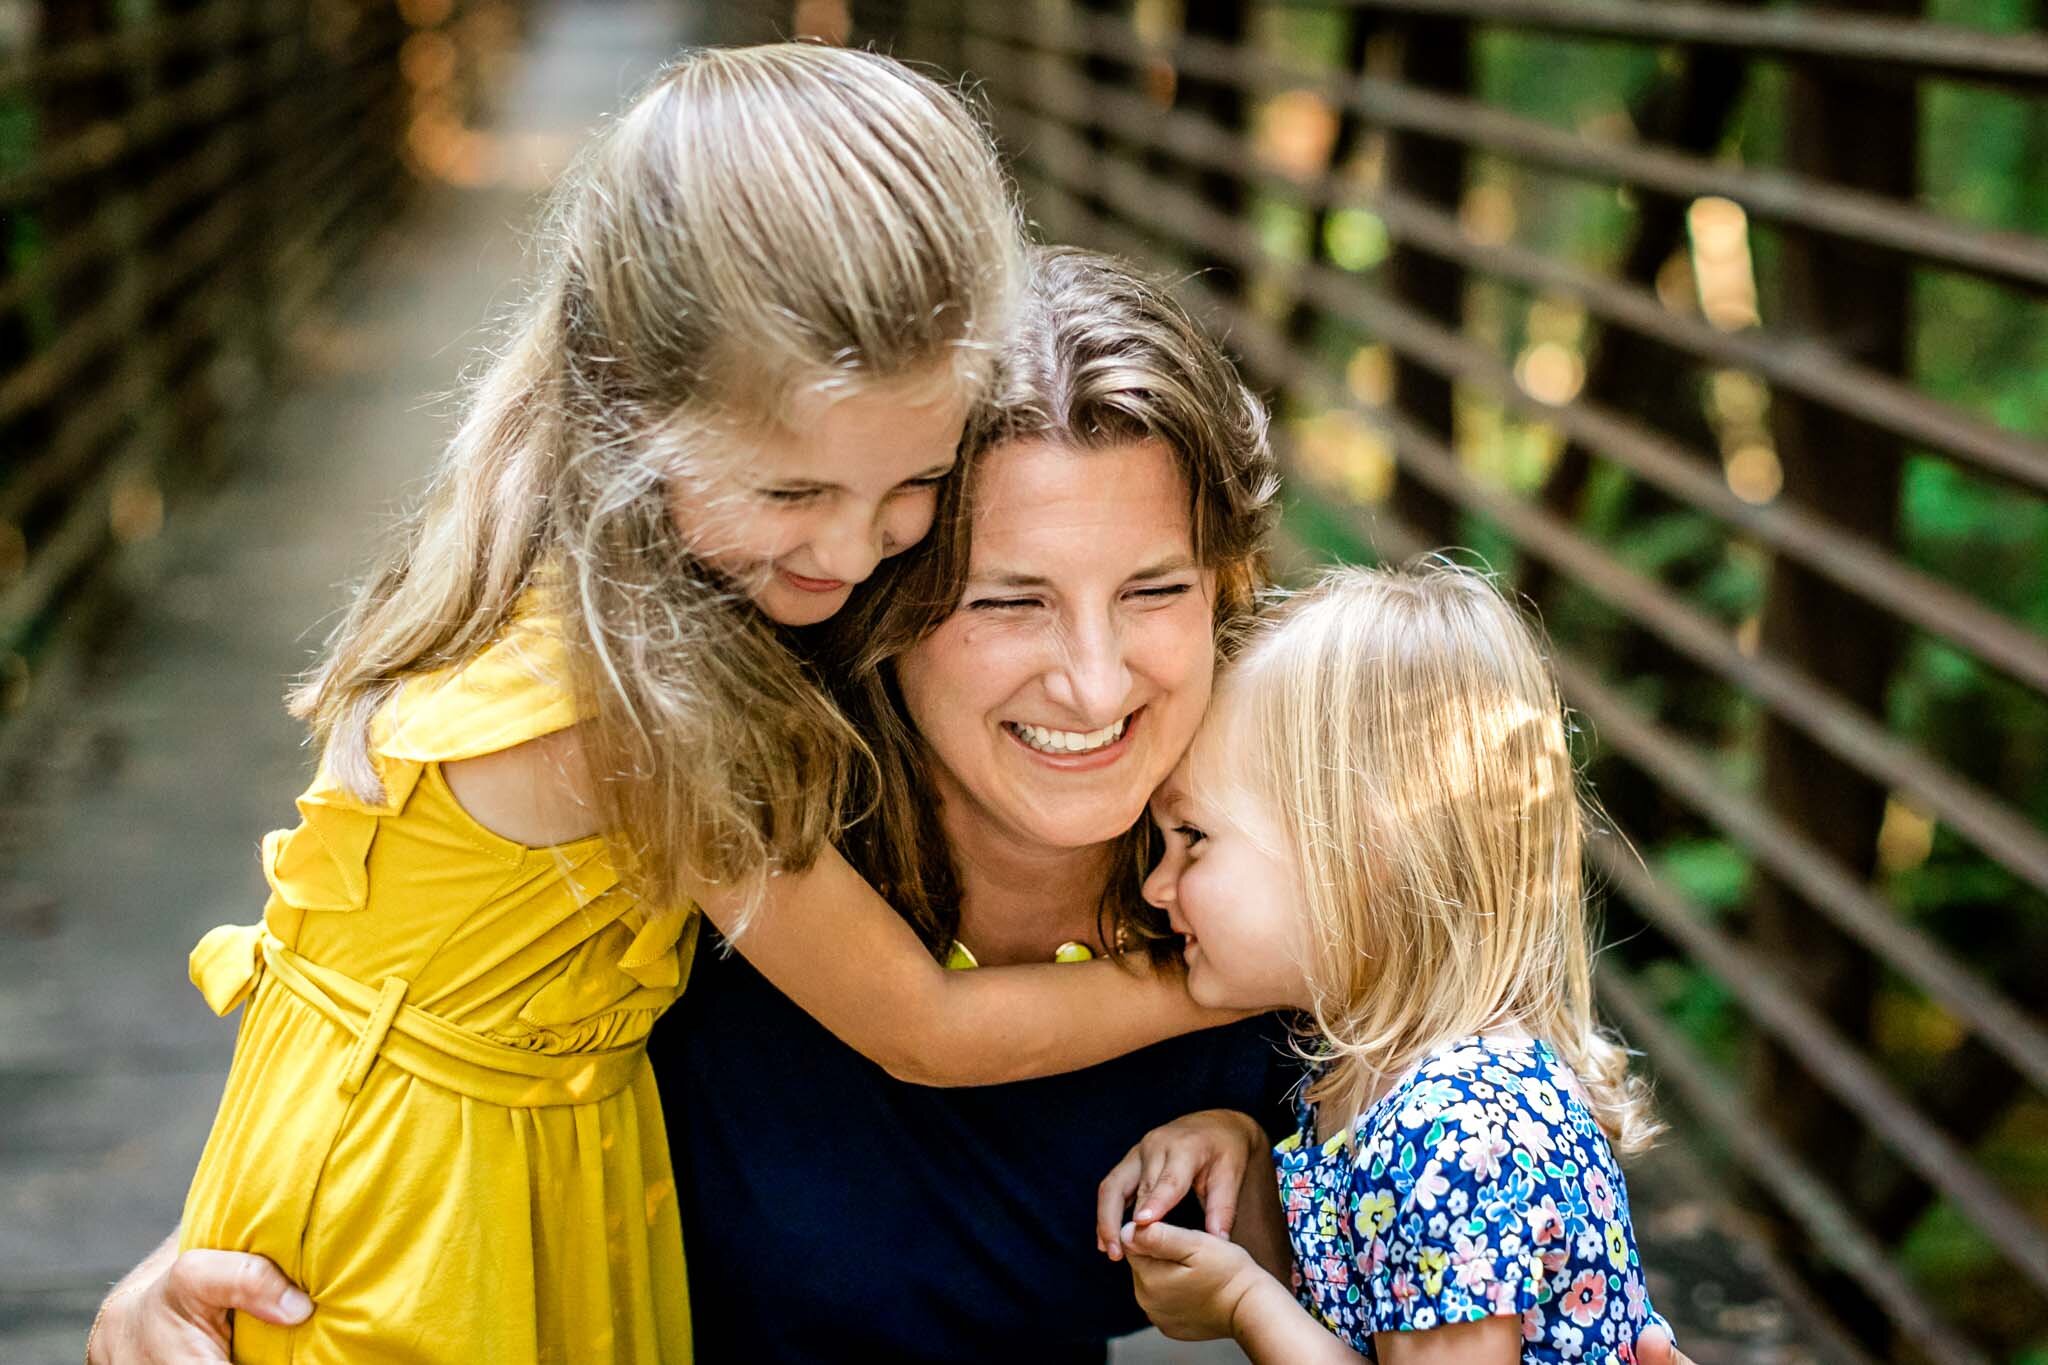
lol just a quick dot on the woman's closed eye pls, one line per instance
(1161, 592)
(1001, 603)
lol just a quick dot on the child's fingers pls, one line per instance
(1162, 1241)
(1112, 1197)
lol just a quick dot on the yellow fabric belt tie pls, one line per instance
(228, 961)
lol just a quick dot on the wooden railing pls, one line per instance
(181, 180)
(1706, 446)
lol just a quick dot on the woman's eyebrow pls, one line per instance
(1171, 564)
(1012, 578)
(1008, 578)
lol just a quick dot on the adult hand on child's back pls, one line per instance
(176, 1308)
(1208, 1153)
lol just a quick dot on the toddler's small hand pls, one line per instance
(1207, 1152)
(1189, 1283)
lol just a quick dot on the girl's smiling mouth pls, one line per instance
(818, 585)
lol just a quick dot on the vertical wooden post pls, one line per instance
(1687, 108)
(1435, 55)
(185, 384)
(1224, 104)
(1104, 71)
(1359, 27)
(1840, 129)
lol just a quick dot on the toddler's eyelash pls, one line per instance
(1190, 833)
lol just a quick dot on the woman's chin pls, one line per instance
(1081, 824)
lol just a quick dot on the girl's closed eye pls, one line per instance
(1190, 834)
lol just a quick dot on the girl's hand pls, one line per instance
(1207, 1152)
(1193, 1286)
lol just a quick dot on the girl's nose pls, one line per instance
(1159, 886)
(849, 549)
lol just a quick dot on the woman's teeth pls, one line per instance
(1068, 741)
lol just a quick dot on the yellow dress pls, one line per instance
(440, 1119)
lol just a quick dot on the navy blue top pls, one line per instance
(831, 1212)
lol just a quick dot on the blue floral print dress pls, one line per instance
(1478, 1186)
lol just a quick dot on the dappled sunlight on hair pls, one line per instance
(1405, 729)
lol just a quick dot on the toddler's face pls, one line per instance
(1228, 883)
(812, 510)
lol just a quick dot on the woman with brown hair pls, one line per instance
(1026, 680)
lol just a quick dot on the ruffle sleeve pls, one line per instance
(655, 957)
(516, 690)
(224, 965)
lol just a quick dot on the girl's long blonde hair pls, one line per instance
(1405, 729)
(762, 224)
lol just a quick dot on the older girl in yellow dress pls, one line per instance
(562, 717)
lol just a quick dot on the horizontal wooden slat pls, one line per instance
(1837, 726)
(2009, 258)
(1910, 47)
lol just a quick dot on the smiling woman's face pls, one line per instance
(1076, 668)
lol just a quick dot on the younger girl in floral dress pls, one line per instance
(1379, 826)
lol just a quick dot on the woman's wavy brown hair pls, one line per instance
(1101, 356)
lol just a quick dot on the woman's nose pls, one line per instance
(1091, 678)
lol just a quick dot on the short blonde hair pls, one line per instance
(761, 224)
(1404, 728)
